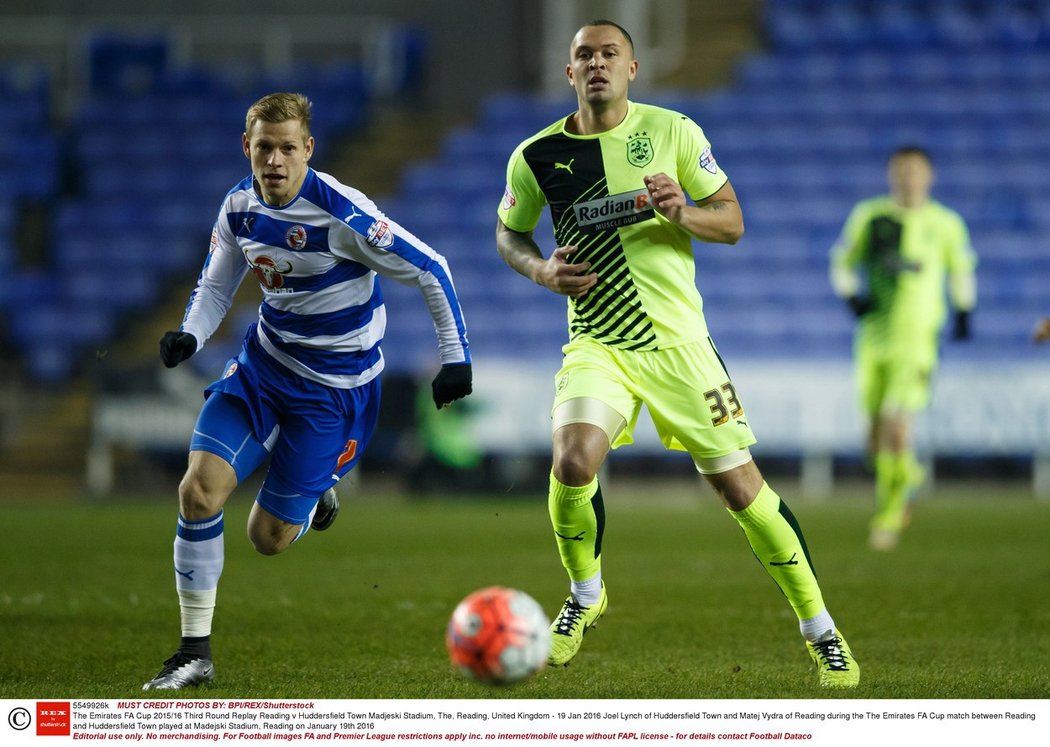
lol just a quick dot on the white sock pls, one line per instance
(816, 628)
(197, 608)
(199, 555)
(587, 592)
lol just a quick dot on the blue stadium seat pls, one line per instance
(26, 91)
(93, 286)
(45, 324)
(126, 64)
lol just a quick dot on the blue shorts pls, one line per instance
(314, 433)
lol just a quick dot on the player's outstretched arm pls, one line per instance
(555, 273)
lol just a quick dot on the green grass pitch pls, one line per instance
(88, 607)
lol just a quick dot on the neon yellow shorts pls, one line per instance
(686, 389)
(889, 384)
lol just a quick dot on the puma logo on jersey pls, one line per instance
(566, 166)
(577, 538)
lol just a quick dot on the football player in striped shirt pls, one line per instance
(615, 174)
(304, 391)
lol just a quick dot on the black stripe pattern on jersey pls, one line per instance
(571, 175)
(884, 262)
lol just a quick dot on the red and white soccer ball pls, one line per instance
(498, 636)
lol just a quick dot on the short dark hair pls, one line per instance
(912, 150)
(614, 24)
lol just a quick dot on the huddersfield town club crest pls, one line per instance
(639, 150)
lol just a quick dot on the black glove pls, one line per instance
(961, 328)
(175, 347)
(452, 382)
(860, 305)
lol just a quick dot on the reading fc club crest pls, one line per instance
(639, 150)
(296, 237)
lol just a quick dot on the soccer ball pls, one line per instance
(498, 636)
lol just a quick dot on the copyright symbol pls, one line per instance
(19, 719)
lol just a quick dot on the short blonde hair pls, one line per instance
(280, 107)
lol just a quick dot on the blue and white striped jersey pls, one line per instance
(316, 259)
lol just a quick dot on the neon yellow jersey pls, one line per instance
(904, 256)
(646, 297)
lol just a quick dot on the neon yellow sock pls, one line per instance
(893, 472)
(777, 542)
(578, 518)
(915, 473)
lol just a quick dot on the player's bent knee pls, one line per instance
(268, 534)
(196, 499)
(268, 541)
(735, 478)
(575, 469)
(580, 449)
(208, 482)
(266, 546)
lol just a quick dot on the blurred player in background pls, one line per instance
(304, 390)
(890, 265)
(613, 174)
